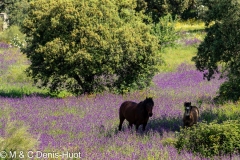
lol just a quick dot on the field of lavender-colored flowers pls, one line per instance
(88, 124)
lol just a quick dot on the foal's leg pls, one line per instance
(122, 118)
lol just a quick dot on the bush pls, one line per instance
(13, 36)
(229, 90)
(230, 111)
(211, 139)
(165, 31)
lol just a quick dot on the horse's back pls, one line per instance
(127, 106)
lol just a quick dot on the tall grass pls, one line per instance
(17, 139)
(14, 134)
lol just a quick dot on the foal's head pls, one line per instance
(187, 106)
(148, 104)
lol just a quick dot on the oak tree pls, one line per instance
(220, 50)
(89, 45)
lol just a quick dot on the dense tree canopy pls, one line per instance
(16, 10)
(4, 4)
(86, 46)
(160, 8)
(222, 46)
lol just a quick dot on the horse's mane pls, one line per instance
(146, 101)
(140, 104)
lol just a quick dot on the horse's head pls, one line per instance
(148, 103)
(188, 107)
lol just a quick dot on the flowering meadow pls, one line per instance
(88, 124)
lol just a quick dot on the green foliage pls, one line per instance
(4, 4)
(196, 10)
(219, 10)
(230, 90)
(221, 45)
(17, 42)
(14, 36)
(169, 141)
(160, 8)
(17, 138)
(15, 9)
(230, 111)
(1, 24)
(89, 46)
(211, 139)
(165, 31)
(191, 11)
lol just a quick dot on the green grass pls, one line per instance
(173, 57)
(14, 81)
(190, 25)
(20, 90)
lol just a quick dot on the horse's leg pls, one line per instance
(144, 126)
(122, 118)
(137, 125)
(130, 125)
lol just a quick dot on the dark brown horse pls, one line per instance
(136, 113)
(191, 115)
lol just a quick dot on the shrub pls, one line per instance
(230, 111)
(165, 31)
(229, 90)
(13, 36)
(211, 139)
